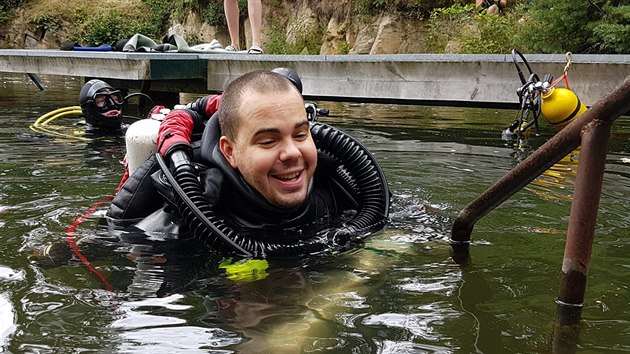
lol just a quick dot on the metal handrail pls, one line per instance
(568, 139)
(592, 131)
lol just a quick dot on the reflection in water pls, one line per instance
(557, 182)
(399, 292)
(7, 319)
(288, 311)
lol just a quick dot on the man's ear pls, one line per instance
(225, 145)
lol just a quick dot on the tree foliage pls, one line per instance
(557, 26)
(6, 7)
(539, 26)
(408, 8)
(611, 34)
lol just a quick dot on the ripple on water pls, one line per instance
(422, 324)
(407, 347)
(188, 339)
(134, 316)
(7, 320)
(158, 325)
(440, 284)
(9, 274)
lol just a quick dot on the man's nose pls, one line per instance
(290, 150)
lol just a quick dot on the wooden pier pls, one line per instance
(477, 80)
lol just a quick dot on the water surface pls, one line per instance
(399, 293)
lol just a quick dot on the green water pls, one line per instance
(400, 293)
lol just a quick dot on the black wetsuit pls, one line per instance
(353, 190)
(147, 202)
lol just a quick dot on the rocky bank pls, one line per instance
(345, 32)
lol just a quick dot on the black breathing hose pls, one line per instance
(196, 213)
(211, 230)
(373, 193)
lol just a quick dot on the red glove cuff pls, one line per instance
(176, 128)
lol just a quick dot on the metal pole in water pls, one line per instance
(580, 234)
(36, 81)
(583, 217)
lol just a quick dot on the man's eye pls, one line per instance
(301, 136)
(266, 142)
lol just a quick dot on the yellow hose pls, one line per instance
(62, 114)
(41, 129)
(41, 122)
(51, 113)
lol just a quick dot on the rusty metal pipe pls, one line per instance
(582, 220)
(607, 109)
(580, 234)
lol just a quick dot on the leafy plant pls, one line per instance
(160, 11)
(311, 40)
(277, 41)
(493, 34)
(446, 24)
(343, 47)
(110, 27)
(47, 22)
(214, 15)
(7, 7)
(557, 26)
(370, 7)
(612, 33)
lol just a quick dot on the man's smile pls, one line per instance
(289, 176)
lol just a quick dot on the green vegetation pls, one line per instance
(343, 48)
(611, 34)
(416, 9)
(558, 26)
(214, 14)
(6, 8)
(108, 28)
(539, 26)
(307, 40)
(47, 22)
(464, 29)
(454, 26)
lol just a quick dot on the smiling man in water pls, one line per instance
(268, 140)
(263, 182)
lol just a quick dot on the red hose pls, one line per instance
(70, 238)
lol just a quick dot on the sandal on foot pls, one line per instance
(231, 49)
(255, 50)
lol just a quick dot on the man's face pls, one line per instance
(273, 148)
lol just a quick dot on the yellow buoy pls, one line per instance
(560, 106)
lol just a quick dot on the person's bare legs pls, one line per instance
(232, 18)
(254, 10)
(494, 9)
